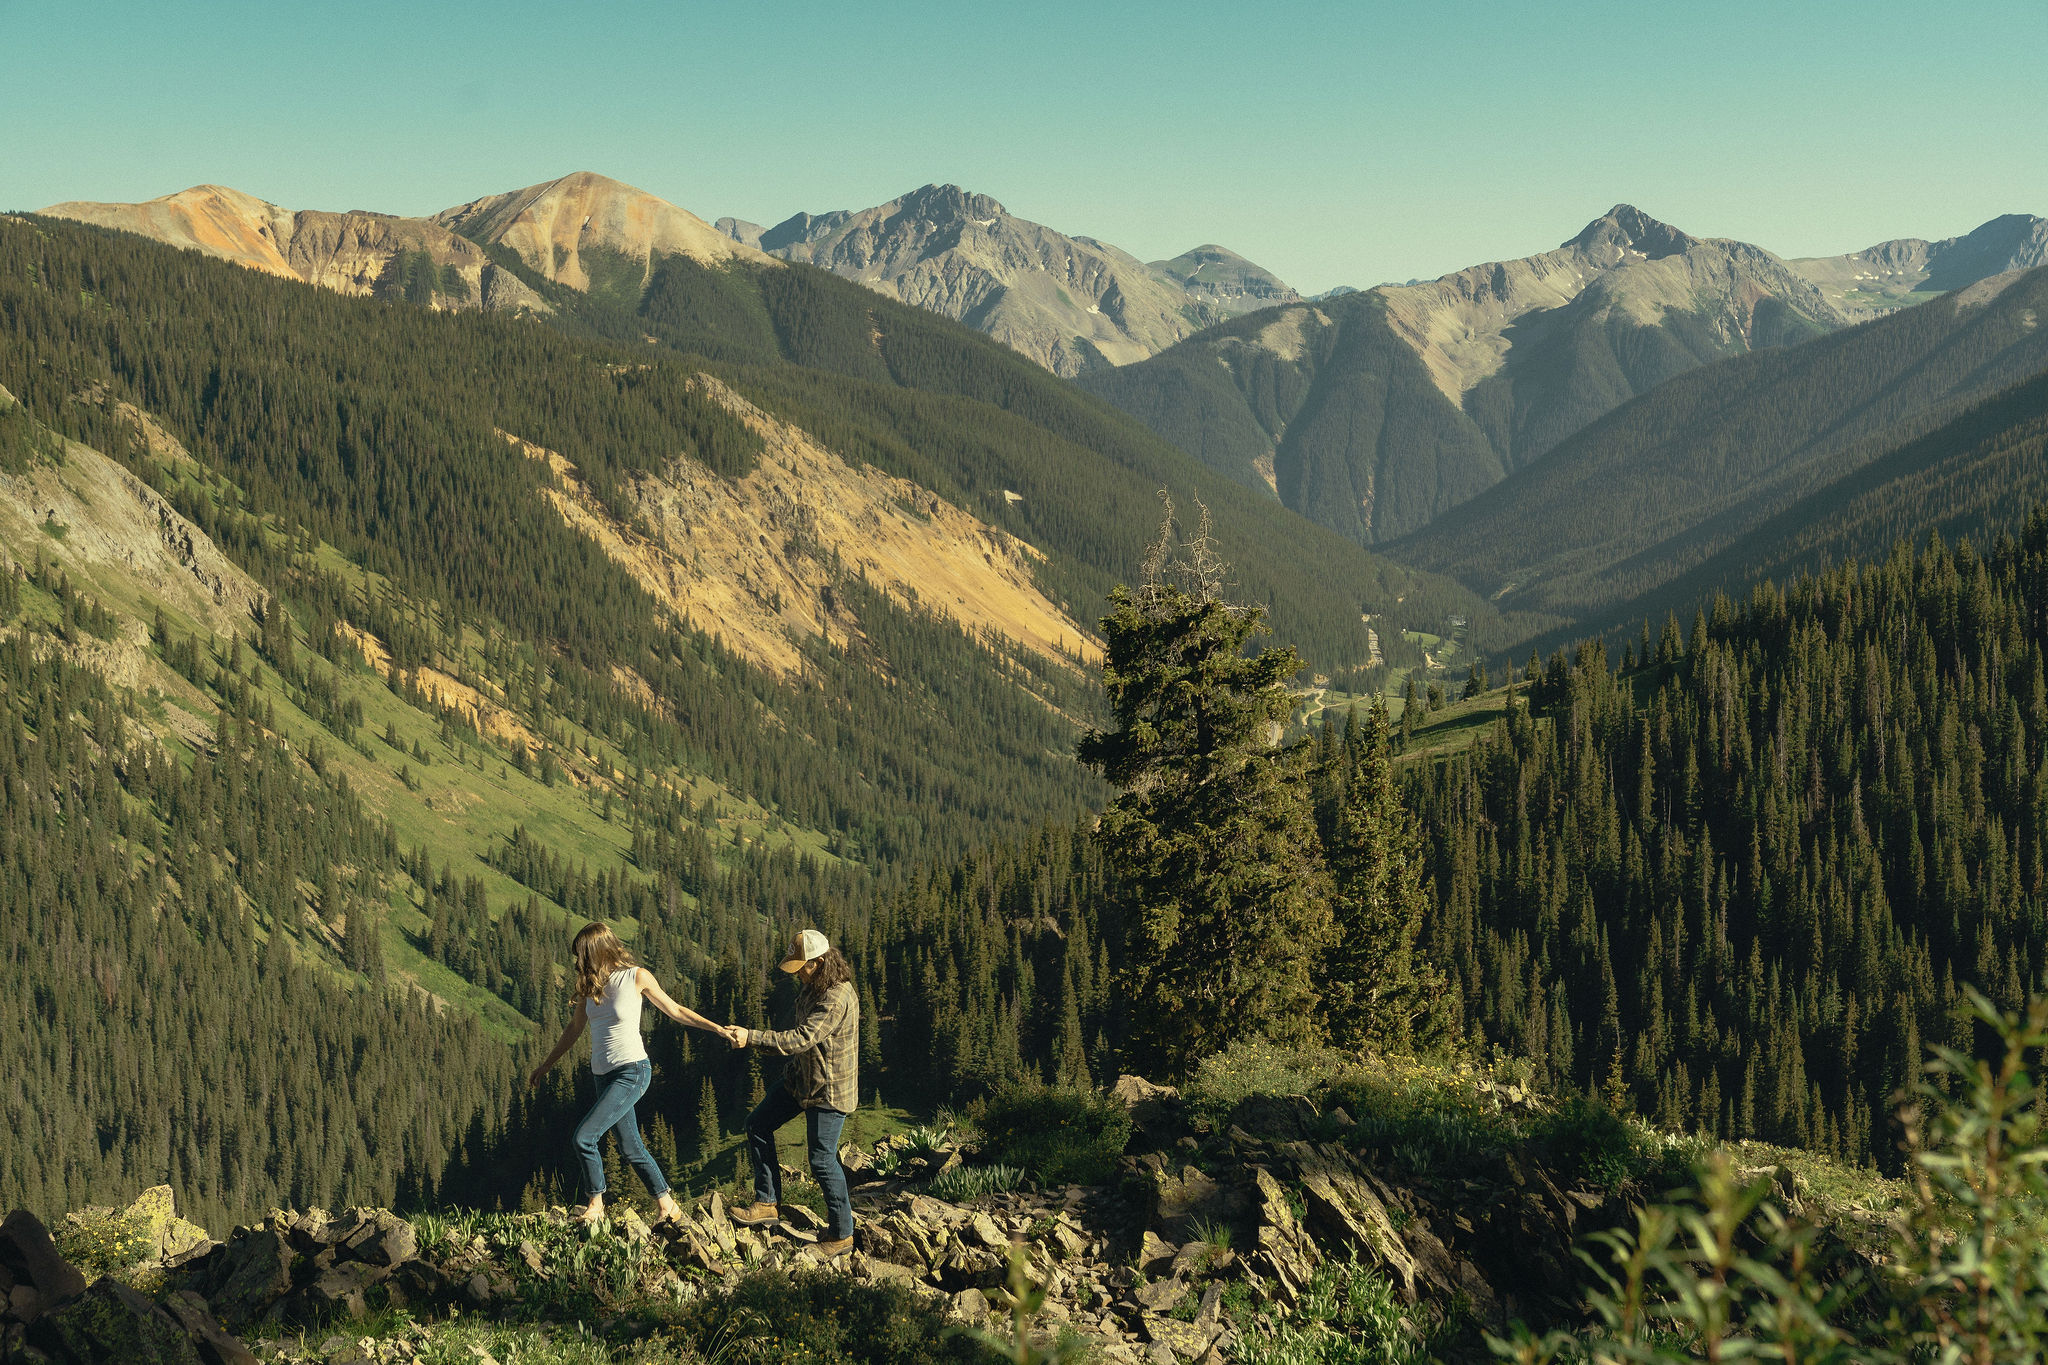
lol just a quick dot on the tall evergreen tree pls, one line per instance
(1377, 988)
(1216, 864)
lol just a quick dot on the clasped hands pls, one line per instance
(732, 1033)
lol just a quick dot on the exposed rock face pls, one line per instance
(351, 253)
(1070, 303)
(1227, 281)
(553, 225)
(1909, 270)
(751, 559)
(1625, 266)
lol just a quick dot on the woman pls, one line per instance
(609, 989)
(821, 1082)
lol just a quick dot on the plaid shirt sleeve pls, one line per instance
(823, 1051)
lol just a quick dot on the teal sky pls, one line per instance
(1333, 143)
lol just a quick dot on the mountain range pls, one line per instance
(1911, 413)
(1073, 304)
(1376, 412)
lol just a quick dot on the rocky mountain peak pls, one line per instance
(1626, 229)
(949, 204)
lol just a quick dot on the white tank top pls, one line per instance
(615, 1023)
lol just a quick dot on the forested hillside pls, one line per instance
(1743, 879)
(1665, 482)
(970, 419)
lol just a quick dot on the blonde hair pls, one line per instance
(598, 954)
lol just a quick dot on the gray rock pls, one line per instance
(1153, 1254)
(422, 1283)
(24, 1302)
(1159, 1296)
(381, 1237)
(28, 1253)
(216, 1346)
(111, 1322)
(340, 1291)
(972, 1305)
(256, 1272)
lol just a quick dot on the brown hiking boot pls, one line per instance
(755, 1215)
(825, 1251)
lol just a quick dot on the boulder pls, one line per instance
(972, 1305)
(380, 1237)
(154, 1213)
(1136, 1090)
(216, 1346)
(966, 1268)
(422, 1284)
(799, 1218)
(1342, 1209)
(1186, 1340)
(111, 1322)
(983, 1229)
(1153, 1253)
(255, 1273)
(31, 1258)
(24, 1303)
(340, 1291)
(1160, 1295)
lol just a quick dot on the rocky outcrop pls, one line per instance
(355, 252)
(1070, 303)
(48, 1313)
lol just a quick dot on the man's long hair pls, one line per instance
(830, 971)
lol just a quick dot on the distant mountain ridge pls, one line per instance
(1910, 270)
(1680, 479)
(1071, 303)
(355, 252)
(555, 224)
(1374, 412)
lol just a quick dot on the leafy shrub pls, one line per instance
(1059, 1135)
(1725, 1274)
(1424, 1117)
(924, 1141)
(825, 1317)
(100, 1241)
(963, 1183)
(1256, 1067)
(1590, 1143)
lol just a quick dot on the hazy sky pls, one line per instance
(1333, 143)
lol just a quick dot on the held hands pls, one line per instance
(735, 1035)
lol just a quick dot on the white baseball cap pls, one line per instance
(810, 945)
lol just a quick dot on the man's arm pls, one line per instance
(823, 1017)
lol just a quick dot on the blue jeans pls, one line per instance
(821, 1134)
(618, 1090)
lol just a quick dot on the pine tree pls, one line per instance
(1375, 988)
(1218, 877)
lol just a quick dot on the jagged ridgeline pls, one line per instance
(1743, 881)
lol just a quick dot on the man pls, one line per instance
(821, 1082)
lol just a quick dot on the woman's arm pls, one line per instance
(659, 998)
(568, 1039)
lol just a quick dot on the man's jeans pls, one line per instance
(821, 1131)
(618, 1090)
